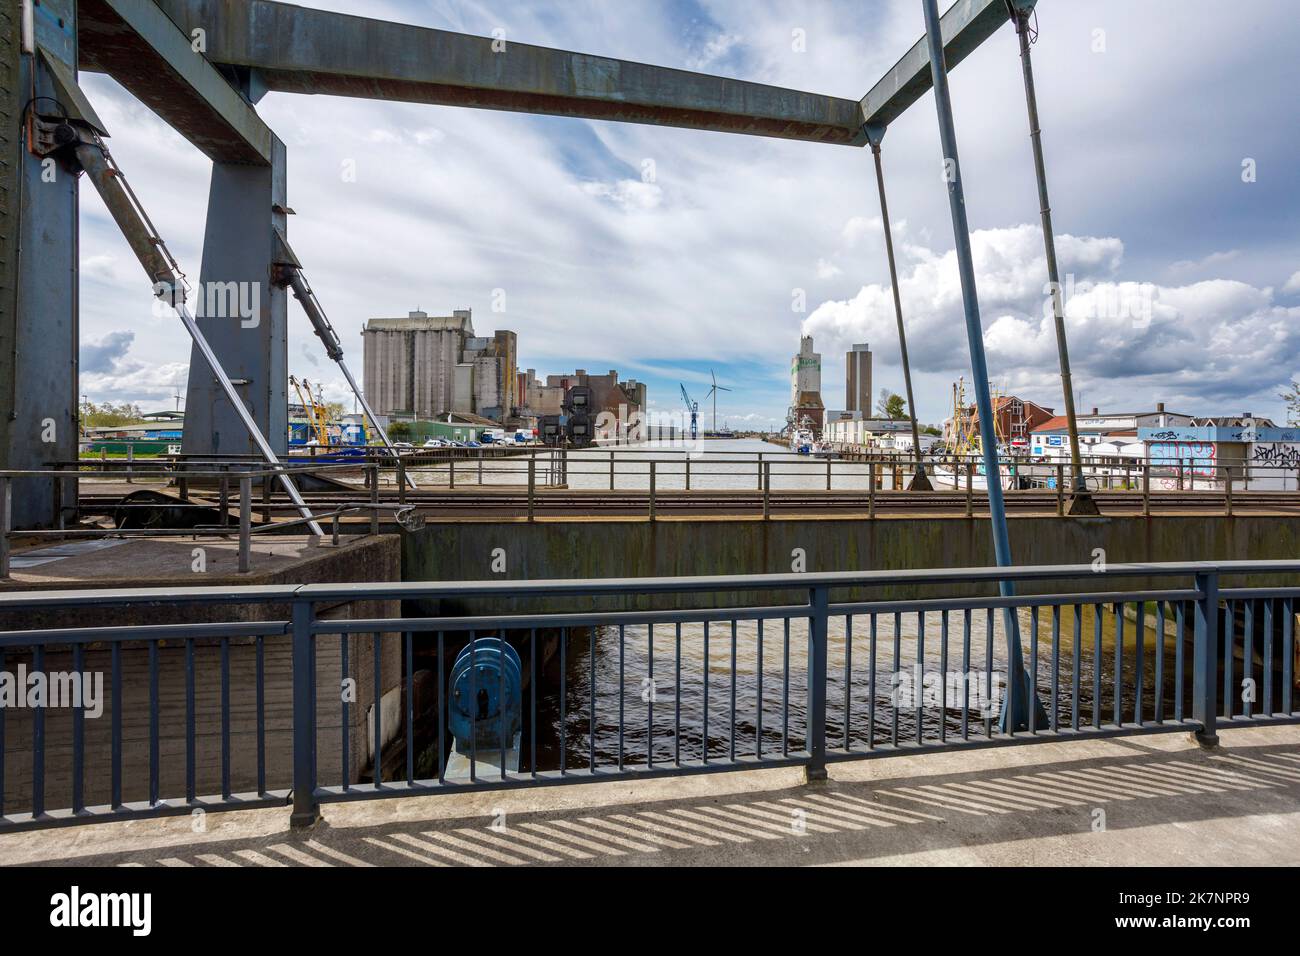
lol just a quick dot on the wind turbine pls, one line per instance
(714, 393)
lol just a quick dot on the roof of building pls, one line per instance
(465, 418)
(1057, 423)
(1230, 421)
(461, 320)
(1154, 411)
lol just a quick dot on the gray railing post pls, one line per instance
(1227, 501)
(1206, 658)
(267, 481)
(1146, 488)
(224, 496)
(1060, 490)
(828, 473)
(245, 522)
(767, 490)
(451, 470)
(6, 509)
(819, 602)
(374, 498)
(970, 485)
(306, 810)
(532, 486)
(652, 491)
(611, 471)
(871, 488)
(688, 471)
(401, 481)
(760, 471)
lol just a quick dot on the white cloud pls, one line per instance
(1292, 285)
(628, 194)
(1213, 260)
(827, 270)
(1198, 345)
(604, 269)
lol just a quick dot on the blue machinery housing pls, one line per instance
(815, 713)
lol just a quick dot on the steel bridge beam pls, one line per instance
(134, 42)
(966, 25)
(299, 50)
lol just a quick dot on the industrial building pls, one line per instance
(806, 407)
(423, 366)
(608, 394)
(857, 379)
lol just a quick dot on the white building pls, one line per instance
(1108, 435)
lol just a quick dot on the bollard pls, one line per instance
(245, 522)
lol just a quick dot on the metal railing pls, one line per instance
(825, 667)
(246, 480)
(530, 479)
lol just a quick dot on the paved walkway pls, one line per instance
(1155, 800)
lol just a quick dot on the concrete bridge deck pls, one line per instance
(1154, 801)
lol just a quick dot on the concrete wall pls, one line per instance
(635, 548)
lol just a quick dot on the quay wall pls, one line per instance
(600, 548)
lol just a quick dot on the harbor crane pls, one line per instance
(694, 409)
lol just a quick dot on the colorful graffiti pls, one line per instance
(1197, 456)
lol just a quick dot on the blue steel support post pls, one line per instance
(306, 811)
(1015, 712)
(819, 604)
(1205, 655)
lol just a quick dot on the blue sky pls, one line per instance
(666, 253)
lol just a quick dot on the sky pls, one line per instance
(1171, 138)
